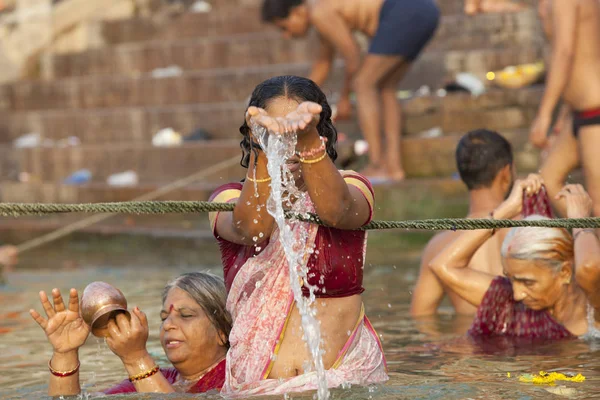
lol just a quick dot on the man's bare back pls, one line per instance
(359, 15)
(486, 259)
(582, 91)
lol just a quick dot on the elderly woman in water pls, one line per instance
(194, 335)
(551, 287)
(268, 354)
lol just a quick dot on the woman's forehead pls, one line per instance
(179, 298)
(281, 106)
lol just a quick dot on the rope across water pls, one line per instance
(185, 207)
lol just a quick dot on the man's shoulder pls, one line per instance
(436, 244)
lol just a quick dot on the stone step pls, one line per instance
(497, 109)
(422, 157)
(154, 165)
(268, 47)
(235, 84)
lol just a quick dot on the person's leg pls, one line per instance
(392, 122)
(589, 140)
(562, 158)
(367, 86)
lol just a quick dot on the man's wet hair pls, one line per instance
(480, 156)
(278, 9)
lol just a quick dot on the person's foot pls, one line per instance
(397, 176)
(375, 174)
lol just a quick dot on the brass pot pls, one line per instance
(101, 302)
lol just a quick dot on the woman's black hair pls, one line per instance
(296, 88)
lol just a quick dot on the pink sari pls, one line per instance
(260, 301)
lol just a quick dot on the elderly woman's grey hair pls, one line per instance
(209, 292)
(549, 246)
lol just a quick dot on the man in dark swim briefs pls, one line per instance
(399, 30)
(573, 28)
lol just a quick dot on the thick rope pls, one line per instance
(191, 207)
(94, 219)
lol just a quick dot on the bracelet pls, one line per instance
(258, 180)
(493, 229)
(586, 230)
(63, 374)
(316, 160)
(315, 151)
(144, 375)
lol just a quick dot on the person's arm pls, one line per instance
(338, 204)
(564, 20)
(250, 219)
(67, 332)
(451, 265)
(322, 65)
(586, 244)
(333, 29)
(127, 339)
(429, 291)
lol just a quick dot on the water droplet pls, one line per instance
(261, 234)
(255, 221)
(255, 239)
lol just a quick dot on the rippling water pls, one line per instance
(428, 359)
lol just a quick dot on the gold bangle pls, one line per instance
(258, 180)
(316, 160)
(144, 375)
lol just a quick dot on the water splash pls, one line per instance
(278, 149)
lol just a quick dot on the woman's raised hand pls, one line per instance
(127, 337)
(302, 120)
(65, 328)
(578, 201)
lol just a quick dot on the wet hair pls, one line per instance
(480, 156)
(295, 88)
(549, 246)
(278, 9)
(209, 292)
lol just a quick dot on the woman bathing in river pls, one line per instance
(268, 354)
(193, 334)
(551, 287)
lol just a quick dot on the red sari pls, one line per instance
(213, 379)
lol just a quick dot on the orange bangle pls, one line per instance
(144, 375)
(63, 374)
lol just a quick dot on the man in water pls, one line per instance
(573, 28)
(485, 163)
(399, 29)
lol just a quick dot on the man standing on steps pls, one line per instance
(399, 29)
(484, 160)
(573, 28)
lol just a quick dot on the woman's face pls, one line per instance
(535, 284)
(186, 334)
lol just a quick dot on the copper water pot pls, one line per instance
(101, 302)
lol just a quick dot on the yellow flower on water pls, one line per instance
(545, 378)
